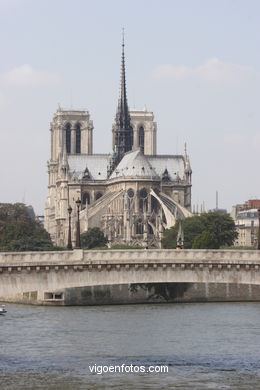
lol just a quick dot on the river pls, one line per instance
(205, 346)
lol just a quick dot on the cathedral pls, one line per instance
(132, 194)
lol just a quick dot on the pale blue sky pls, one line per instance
(195, 64)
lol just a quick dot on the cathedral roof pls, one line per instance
(134, 164)
(96, 165)
(174, 165)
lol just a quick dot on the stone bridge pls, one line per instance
(42, 276)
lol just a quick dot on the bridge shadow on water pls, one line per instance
(160, 293)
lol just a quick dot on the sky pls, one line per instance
(194, 63)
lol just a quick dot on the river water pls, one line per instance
(205, 346)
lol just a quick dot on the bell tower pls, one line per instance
(71, 132)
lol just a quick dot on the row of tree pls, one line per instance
(19, 231)
(208, 231)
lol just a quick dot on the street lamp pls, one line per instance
(78, 245)
(69, 246)
(258, 246)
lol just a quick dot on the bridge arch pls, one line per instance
(44, 272)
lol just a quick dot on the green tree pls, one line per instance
(169, 239)
(19, 231)
(192, 227)
(93, 238)
(222, 226)
(205, 240)
(30, 244)
(220, 229)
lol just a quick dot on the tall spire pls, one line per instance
(123, 106)
(123, 130)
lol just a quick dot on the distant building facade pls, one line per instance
(247, 222)
(132, 194)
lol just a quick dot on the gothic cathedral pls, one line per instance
(132, 194)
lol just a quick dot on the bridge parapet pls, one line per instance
(104, 257)
(24, 258)
(172, 255)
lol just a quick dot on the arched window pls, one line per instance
(150, 229)
(154, 204)
(141, 138)
(85, 198)
(98, 195)
(78, 138)
(143, 201)
(68, 137)
(139, 227)
(129, 139)
(131, 136)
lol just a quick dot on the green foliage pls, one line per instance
(208, 231)
(205, 240)
(118, 246)
(192, 227)
(222, 226)
(19, 231)
(123, 246)
(29, 244)
(169, 239)
(238, 248)
(93, 238)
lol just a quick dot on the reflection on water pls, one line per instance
(206, 346)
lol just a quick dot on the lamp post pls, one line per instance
(258, 246)
(78, 245)
(69, 246)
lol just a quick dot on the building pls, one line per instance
(132, 194)
(246, 219)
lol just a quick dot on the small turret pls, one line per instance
(187, 166)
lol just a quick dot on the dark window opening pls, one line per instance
(98, 195)
(141, 138)
(50, 295)
(143, 205)
(139, 228)
(68, 137)
(78, 138)
(154, 204)
(143, 193)
(58, 296)
(150, 229)
(129, 140)
(85, 198)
